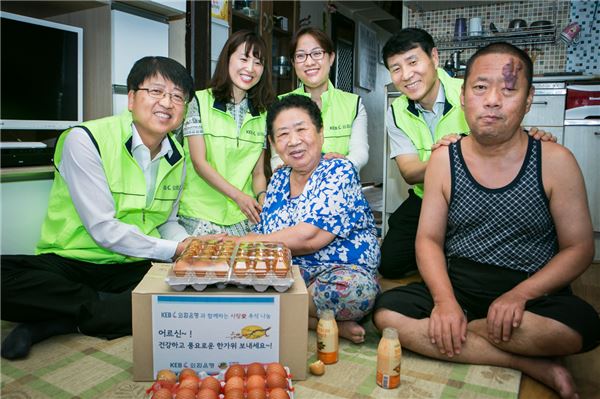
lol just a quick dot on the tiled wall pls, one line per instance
(551, 58)
(585, 55)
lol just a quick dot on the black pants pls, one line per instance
(398, 249)
(476, 286)
(47, 287)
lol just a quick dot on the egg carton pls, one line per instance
(251, 264)
(180, 283)
(262, 283)
(221, 378)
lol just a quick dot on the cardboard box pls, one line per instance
(293, 320)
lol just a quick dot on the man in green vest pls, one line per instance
(112, 208)
(427, 113)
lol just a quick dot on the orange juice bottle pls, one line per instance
(389, 356)
(327, 338)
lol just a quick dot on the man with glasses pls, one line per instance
(114, 197)
(344, 115)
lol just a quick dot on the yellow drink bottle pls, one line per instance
(389, 356)
(327, 338)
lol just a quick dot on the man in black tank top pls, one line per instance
(504, 229)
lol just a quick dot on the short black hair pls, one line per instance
(294, 101)
(168, 68)
(503, 48)
(407, 39)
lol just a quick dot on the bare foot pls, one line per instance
(351, 330)
(550, 373)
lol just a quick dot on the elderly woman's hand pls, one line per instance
(249, 207)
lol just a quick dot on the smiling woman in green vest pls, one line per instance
(344, 115)
(224, 135)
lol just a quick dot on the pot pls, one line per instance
(542, 27)
(540, 24)
(517, 24)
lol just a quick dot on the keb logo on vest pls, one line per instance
(254, 133)
(340, 127)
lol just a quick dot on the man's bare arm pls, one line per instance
(447, 323)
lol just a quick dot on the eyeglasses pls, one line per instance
(176, 99)
(315, 55)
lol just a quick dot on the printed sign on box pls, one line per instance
(290, 326)
(208, 333)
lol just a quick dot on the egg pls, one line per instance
(166, 376)
(163, 393)
(187, 372)
(235, 370)
(190, 382)
(317, 368)
(256, 369)
(275, 380)
(207, 394)
(234, 383)
(234, 394)
(278, 393)
(255, 382)
(276, 368)
(185, 394)
(256, 394)
(211, 383)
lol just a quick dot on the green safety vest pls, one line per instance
(231, 154)
(408, 118)
(63, 232)
(338, 109)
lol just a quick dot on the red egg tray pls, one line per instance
(219, 384)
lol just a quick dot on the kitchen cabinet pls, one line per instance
(582, 137)
(584, 142)
(133, 37)
(547, 111)
(276, 22)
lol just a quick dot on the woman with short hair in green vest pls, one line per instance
(225, 140)
(344, 116)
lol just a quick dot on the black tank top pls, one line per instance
(509, 226)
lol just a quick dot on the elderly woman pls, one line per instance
(316, 207)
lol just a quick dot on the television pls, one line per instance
(41, 68)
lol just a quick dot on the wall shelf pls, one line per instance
(527, 36)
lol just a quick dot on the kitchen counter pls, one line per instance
(564, 77)
(25, 173)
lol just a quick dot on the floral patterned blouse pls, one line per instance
(332, 200)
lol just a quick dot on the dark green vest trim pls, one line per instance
(222, 106)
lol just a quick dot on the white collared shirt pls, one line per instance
(400, 143)
(81, 167)
(141, 153)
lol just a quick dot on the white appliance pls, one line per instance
(582, 137)
(395, 189)
(133, 37)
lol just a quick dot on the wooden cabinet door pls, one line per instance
(276, 22)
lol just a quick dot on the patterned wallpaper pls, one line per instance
(551, 57)
(585, 55)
